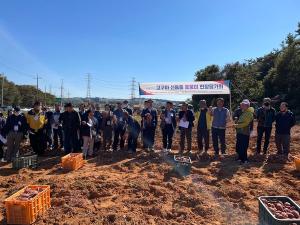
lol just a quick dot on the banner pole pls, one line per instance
(230, 103)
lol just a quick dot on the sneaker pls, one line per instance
(3, 160)
(169, 150)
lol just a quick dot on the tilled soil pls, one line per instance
(118, 188)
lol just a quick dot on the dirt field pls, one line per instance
(116, 188)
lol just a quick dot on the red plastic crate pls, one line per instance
(26, 211)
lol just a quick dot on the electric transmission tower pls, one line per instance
(132, 89)
(88, 90)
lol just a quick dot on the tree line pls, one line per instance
(275, 75)
(23, 95)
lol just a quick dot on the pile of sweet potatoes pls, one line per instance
(281, 210)
(29, 194)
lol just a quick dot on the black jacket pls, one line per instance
(13, 121)
(173, 118)
(86, 130)
(284, 122)
(70, 121)
(189, 117)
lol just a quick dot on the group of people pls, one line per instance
(90, 129)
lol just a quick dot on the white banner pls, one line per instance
(197, 87)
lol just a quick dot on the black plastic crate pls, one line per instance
(182, 167)
(267, 218)
(25, 162)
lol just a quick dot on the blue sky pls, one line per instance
(150, 40)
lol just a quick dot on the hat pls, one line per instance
(245, 102)
(267, 100)
(17, 109)
(37, 103)
(150, 100)
(68, 105)
(184, 103)
(125, 102)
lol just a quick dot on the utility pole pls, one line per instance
(68, 95)
(132, 89)
(2, 87)
(88, 90)
(61, 92)
(37, 86)
(50, 89)
(45, 96)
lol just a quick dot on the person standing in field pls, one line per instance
(14, 130)
(48, 127)
(242, 126)
(285, 120)
(204, 126)
(127, 108)
(107, 127)
(149, 117)
(119, 127)
(133, 129)
(71, 121)
(57, 129)
(88, 132)
(186, 118)
(2, 124)
(168, 126)
(265, 117)
(37, 121)
(221, 116)
(98, 116)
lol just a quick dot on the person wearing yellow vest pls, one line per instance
(204, 126)
(242, 127)
(36, 120)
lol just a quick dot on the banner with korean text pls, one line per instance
(196, 87)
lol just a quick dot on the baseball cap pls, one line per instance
(246, 102)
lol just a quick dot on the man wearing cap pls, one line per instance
(186, 118)
(71, 121)
(127, 108)
(221, 116)
(37, 121)
(149, 117)
(265, 116)
(168, 126)
(204, 126)
(14, 130)
(119, 127)
(243, 130)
